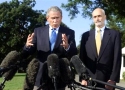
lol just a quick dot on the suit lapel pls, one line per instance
(92, 41)
(105, 41)
(45, 39)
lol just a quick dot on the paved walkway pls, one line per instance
(121, 84)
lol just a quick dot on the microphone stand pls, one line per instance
(2, 71)
(5, 69)
(71, 87)
(86, 77)
(2, 84)
(54, 81)
(105, 83)
(83, 87)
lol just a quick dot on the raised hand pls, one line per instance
(65, 41)
(29, 40)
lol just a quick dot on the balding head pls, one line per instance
(99, 17)
(100, 10)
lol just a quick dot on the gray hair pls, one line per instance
(55, 9)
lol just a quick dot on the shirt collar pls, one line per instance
(55, 28)
(102, 29)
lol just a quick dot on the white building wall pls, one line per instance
(122, 67)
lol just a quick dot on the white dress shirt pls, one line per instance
(102, 31)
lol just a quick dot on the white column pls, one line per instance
(121, 72)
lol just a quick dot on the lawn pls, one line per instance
(16, 83)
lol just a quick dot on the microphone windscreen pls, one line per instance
(31, 74)
(53, 65)
(78, 65)
(66, 72)
(10, 59)
(45, 78)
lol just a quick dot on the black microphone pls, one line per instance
(8, 65)
(82, 71)
(67, 74)
(53, 68)
(31, 73)
(53, 65)
(79, 67)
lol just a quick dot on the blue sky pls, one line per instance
(79, 24)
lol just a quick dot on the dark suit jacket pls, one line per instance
(42, 44)
(42, 47)
(107, 65)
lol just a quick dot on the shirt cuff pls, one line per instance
(67, 48)
(26, 48)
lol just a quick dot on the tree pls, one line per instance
(114, 10)
(117, 24)
(112, 7)
(17, 20)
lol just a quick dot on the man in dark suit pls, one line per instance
(102, 56)
(40, 41)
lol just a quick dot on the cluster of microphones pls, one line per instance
(56, 67)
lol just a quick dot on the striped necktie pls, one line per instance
(98, 41)
(53, 38)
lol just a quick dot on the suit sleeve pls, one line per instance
(82, 47)
(72, 50)
(115, 75)
(82, 52)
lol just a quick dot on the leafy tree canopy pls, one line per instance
(17, 20)
(111, 7)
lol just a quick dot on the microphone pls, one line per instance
(53, 65)
(79, 67)
(53, 68)
(31, 74)
(8, 68)
(66, 72)
(82, 71)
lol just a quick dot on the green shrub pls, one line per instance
(123, 75)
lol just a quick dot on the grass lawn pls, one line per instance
(16, 83)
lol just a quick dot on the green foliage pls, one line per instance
(114, 10)
(117, 24)
(64, 25)
(112, 7)
(17, 20)
(123, 75)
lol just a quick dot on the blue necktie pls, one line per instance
(53, 38)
